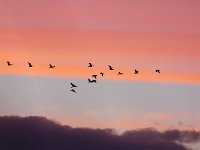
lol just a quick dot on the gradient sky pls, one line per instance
(127, 34)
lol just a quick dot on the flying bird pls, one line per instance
(9, 64)
(102, 74)
(73, 90)
(156, 123)
(90, 65)
(51, 66)
(180, 123)
(120, 73)
(73, 85)
(92, 81)
(110, 67)
(136, 71)
(29, 64)
(158, 71)
(94, 75)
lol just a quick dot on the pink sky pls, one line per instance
(127, 34)
(72, 50)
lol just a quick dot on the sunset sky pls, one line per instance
(127, 34)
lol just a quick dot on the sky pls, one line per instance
(126, 34)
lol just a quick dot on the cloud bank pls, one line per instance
(35, 133)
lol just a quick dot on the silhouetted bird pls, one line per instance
(90, 65)
(9, 64)
(110, 67)
(136, 71)
(102, 74)
(73, 85)
(92, 81)
(94, 75)
(180, 123)
(156, 123)
(120, 73)
(73, 90)
(158, 71)
(29, 64)
(50, 66)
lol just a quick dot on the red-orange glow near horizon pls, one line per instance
(164, 121)
(84, 72)
(70, 52)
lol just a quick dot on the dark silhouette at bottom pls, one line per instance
(38, 133)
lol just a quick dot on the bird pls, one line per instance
(92, 81)
(180, 123)
(50, 66)
(110, 67)
(29, 64)
(90, 65)
(158, 71)
(9, 64)
(136, 71)
(73, 85)
(102, 74)
(94, 75)
(156, 123)
(120, 73)
(73, 90)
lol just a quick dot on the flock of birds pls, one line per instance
(94, 80)
(94, 76)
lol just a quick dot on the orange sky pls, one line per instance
(127, 34)
(70, 51)
(141, 34)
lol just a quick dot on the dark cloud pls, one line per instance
(38, 133)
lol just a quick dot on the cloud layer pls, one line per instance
(39, 133)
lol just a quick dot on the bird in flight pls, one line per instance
(156, 123)
(9, 64)
(73, 85)
(73, 90)
(136, 71)
(180, 123)
(94, 76)
(158, 71)
(110, 67)
(90, 65)
(120, 73)
(102, 74)
(51, 66)
(29, 64)
(92, 81)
